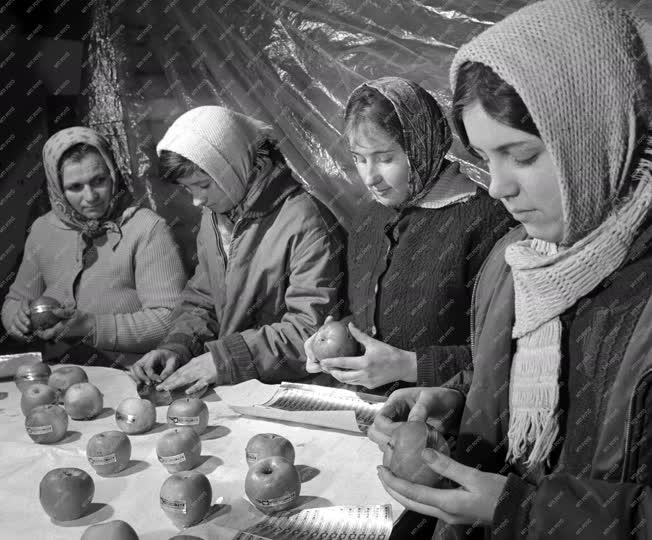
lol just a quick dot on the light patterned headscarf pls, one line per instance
(581, 69)
(53, 149)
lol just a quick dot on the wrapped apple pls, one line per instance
(179, 449)
(29, 374)
(110, 530)
(333, 340)
(41, 312)
(186, 498)
(108, 452)
(273, 484)
(266, 445)
(403, 452)
(83, 401)
(66, 493)
(188, 411)
(46, 424)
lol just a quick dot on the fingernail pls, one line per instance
(429, 455)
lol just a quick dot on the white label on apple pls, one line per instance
(175, 506)
(289, 496)
(185, 420)
(39, 430)
(172, 460)
(102, 460)
(129, 418)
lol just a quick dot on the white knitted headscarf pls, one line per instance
(220, 141)
(581, 70)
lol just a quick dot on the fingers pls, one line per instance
(170, 366)
(329, 319)
(359, 335)
(312, 364)
(148, 368)
(448, 467)
(199, 385)
(138, 374)
(377, 436)
(181, 377)
(63, 313)
(344, 362)
(349, 377)
(21, 326)
(51, 333)
(313, 367)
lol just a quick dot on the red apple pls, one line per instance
(108, 452)
(186, 498)
(403, 452)
(66, 493)
(135, 415)
(266, 445)
(191, 412)
(179, 449)
(83, 401)
(35, 395)
(334, 339)
(47, 424)
(29, 374)
(40, 312)
(110, 530)
(273, 484)
(65, 377)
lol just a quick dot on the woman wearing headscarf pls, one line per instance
(553, 441)
(111, 264)
(270, 258)
(413, 257)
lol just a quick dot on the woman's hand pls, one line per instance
(380, 364)
(312, 364)
(441, 407)
(21, 325)
(472, 503)
(147, 369)
(74, 324)
(199, 372)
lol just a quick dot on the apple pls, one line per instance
(189, 411)
(179, 449)
(26, 375)
(135, 415)
(110, 530)
(35, 395)
(186, 498)
(47, 424)
(64, 377)
(272, 484)
(108, 452)
(66, 493)
(266, 445)
(403, 452)
(40, 312)
(83, 401)
(334, 339)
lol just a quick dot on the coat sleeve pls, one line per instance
(194, 320)
(29, 283)
(565, 507)
(159, 280)
(274, 352)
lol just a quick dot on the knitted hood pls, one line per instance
(588, 92)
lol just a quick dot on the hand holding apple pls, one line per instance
(135, 415)
(186, 498)
(332, 340)
(266, 445)
(28, 374)
(83, 401)
(66, 493)
(20, 327)
(108, 452)
(47, 424)
(191, 412)
(273, 484)
(110, 530)
(41, 312)
(35, 395)
(179, 449)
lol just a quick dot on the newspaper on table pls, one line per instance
(335, 523)
(334, 408)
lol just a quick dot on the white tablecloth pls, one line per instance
(338, 469)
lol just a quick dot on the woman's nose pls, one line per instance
(503, 183)
(371, 176)
(90, 194)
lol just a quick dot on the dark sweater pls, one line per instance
(411, 275)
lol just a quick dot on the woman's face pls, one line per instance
(381, 162)
(87, 185)
(206, 192)
(523, 176)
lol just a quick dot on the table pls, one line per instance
(337, 468)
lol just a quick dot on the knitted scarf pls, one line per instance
(581, 69)
(119, 208)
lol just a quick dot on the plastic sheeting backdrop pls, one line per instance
(290, 63)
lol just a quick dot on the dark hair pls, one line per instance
(478, 83)
(368, 104)
(76, 153)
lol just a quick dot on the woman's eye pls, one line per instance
(356, 158)
(523, 161)
(386, 159)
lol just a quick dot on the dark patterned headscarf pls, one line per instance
(426, 134)
(53, 149)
